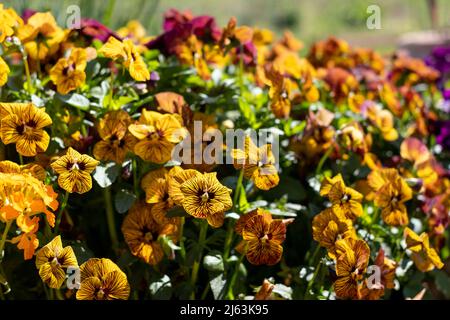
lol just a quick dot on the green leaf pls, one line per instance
(176, 212)
(442, 282)
(106, 174)
(218, 285)
(160, 287)
(213, 262)
(289, 186)
(247, 112)
(123, 200)
(283, 291)
(76, 100)
(168, 245)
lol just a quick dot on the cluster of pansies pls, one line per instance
(347, 198)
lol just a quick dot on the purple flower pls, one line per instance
(439, 59)
(96, 30)
(249, 54)
(442, 131)
(27, 14)
(178, 27)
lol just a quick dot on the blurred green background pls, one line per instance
(310, 20)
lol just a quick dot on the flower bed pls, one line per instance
(224, 163)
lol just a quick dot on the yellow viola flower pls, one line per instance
(258, 164)
(190, 52)
(391, 192)
(176, 178)
(24, 126)
(383, 120)
(387, 276)
(74, 171)
(68, 73)
(157, 134)
(424, 256)
(127, 53)
(116, 141)
(345, 201)
(133, 30)
(9, 20)
(4, 72)
(328, 227)
(102, 279)
(262, 236)
(206, 198)
(52, 260)
(142, 229)
(351, 263)
(32, 169)
(156, 186)
(41, 35)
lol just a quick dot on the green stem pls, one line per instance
(311, 282)
(111, 90)
(230, 294)
(60, 212)
(229, 234)
(182, 248)
(4, 236)
(59, 295)
(20, 159)
(2, 246)
(241, 70)
(27, 73)
(323, 159)
(314, 256)
(135, 178)
(110, 217)
(205, 292)
(196, 266)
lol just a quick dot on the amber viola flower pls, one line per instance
(157, 134)
(127, 53)
(328, 227)
(52, 260)
(23, 198)
(4, 72)
(23, 124)
(177, 177)
(281, 93)
(206, 198)
(387, 276)
(262, 236)
(425, 165)
(68, 73)
(116, 141)
(345, 201)
(142, 229)
(383, 120)
(391, 192)
(424, 256)
(156, 186)
(74, 171)
(351, 263)
(190, 52)
(102, 279)
(258, 164)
